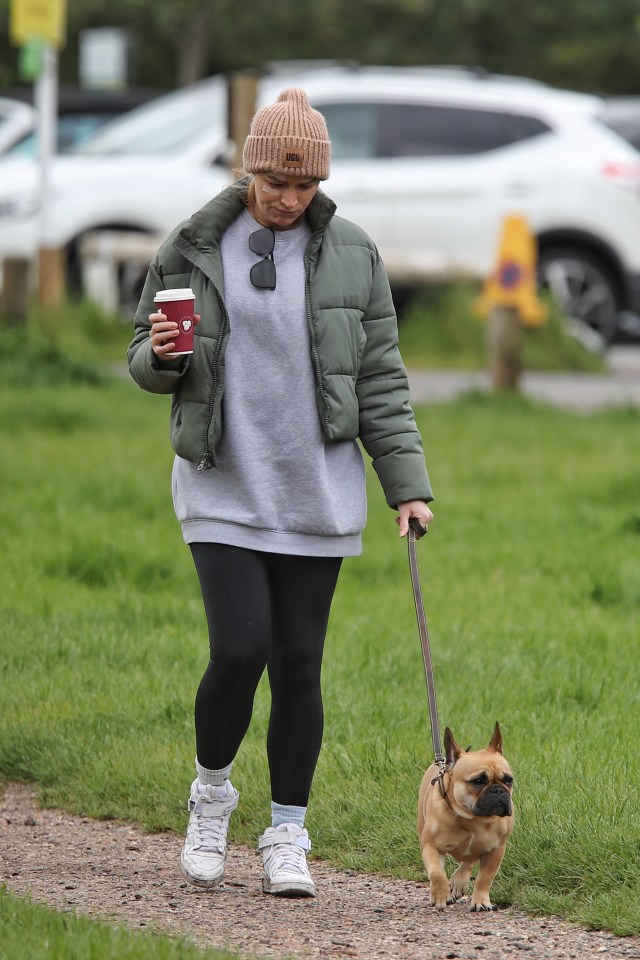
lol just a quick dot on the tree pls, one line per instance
(581, 44)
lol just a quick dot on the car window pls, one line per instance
(623, 117)
(165, 124)
(419, 130)
(364, 130)
(72, 129)
(353, 129)
(629, 131)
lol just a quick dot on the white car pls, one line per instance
(81, 113)
(429, 161)
(16, 120)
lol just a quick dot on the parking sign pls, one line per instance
(38, 20)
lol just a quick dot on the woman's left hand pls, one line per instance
(413, 508)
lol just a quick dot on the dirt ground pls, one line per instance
(114, 871)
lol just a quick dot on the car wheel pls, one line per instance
(583, 288)
(112, 274)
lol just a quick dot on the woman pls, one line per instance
(295, 358)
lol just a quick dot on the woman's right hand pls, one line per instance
(162, 334)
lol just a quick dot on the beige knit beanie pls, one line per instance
(288, 137)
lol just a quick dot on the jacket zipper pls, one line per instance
(314, 352)
(208, 460)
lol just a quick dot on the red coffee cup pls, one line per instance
(179, 305)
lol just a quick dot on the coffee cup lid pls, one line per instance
(178, 293)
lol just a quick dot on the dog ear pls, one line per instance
(453, 749)
(496, 740)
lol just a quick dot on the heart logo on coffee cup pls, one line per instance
(185, 324)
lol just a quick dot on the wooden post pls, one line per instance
(510, 302)
(52, 284)
(14, 303)
(243, 91)
(504, 341)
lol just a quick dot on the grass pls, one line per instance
(440, 328)
(32, 932)
(532, 589)
(69, 345)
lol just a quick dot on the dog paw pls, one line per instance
(438, 904)
(441, 904)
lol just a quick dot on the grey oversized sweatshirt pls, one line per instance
(278, 486)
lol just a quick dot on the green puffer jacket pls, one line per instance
(361, 384)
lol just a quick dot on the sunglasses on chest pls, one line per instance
(263, 273)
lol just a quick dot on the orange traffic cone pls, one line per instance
(513, 282)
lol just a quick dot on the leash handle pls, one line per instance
(416, 531)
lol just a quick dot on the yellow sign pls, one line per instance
(38, 20)
(513, 282)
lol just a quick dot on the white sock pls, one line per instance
(213, 778)
(286, 813)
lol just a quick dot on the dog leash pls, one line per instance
(416, 531)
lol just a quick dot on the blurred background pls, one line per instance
(581, 44)
(446, 118)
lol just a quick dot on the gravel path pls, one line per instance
(114, 871)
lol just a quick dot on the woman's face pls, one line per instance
(279, 200)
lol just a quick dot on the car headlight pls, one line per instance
(19, 206)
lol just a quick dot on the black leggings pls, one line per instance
(264, 609)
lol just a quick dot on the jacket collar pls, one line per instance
(205, 228)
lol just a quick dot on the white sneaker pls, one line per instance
(205, 847)
(284, 850)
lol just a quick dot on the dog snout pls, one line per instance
(497, 790)
(494, 802)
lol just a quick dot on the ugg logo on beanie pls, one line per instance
(292, 157)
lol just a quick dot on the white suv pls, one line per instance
(16, 120)
(429, 161)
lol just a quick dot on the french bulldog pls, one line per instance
(466, 814)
